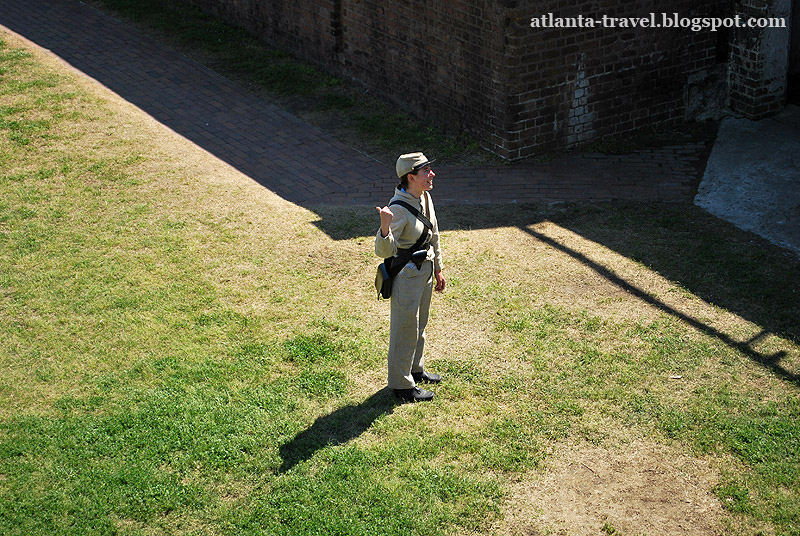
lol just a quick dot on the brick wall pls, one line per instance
(759, 61)
(305, 27)
(440, 60)
(575, 85)
(477, 65)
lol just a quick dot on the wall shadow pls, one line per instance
(710, 258)
(214, 113)
(769, 361)
(713, 260)
(336, 428)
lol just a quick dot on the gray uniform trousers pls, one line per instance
(411, 303)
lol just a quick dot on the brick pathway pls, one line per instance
(296, 160)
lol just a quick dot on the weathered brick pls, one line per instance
(520, 88)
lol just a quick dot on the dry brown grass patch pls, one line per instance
(636, 488)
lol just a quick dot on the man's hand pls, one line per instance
(386, 219)
(440, 282)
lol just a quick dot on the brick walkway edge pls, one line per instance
(296, 160)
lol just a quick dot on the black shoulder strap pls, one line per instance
(404, 255)
(421, 217)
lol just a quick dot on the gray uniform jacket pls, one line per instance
(406, 228)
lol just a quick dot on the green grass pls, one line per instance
(186, 356)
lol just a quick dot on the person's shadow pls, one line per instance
(335, 428)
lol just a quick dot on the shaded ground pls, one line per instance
(300, 162)
(753, 177)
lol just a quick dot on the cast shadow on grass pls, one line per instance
(769, 361)
(339, 427)
(708, 257)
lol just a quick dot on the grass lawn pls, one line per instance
(183, 352)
